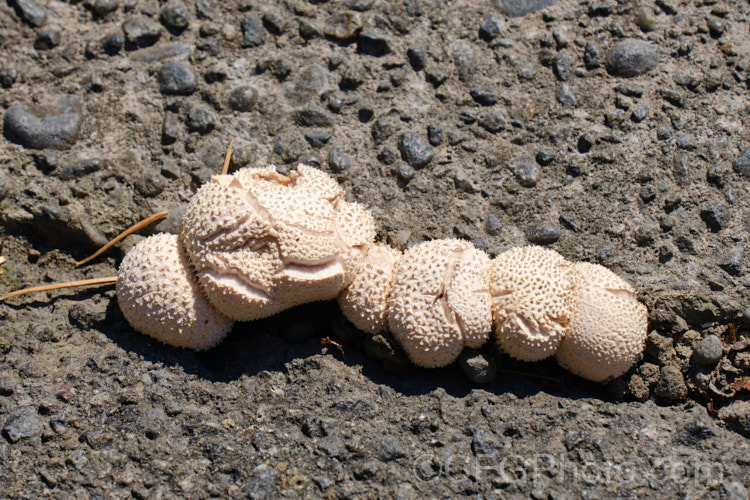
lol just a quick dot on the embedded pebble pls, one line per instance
(527, 172)
(373, 43)
(243, 98)
(24, 425)
(44, 126)
(741, 164)
(177, 78)
(81, 168)
(8, 76)
(175, 16)
(47, 39)
(519, 8)
(252, 31)
(630, 58)
(565, 95)
(140, 32)
(490, 28)
(708, 351)
(671, 385)
(543, 234)
(101, 8)
(32, 12)
(415, 150)
(200, 119)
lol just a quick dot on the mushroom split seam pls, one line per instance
(257, 242)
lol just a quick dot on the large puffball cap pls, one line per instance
(533, 293)
(262, 242)
(439, 302)
(608, 331)
(158, 296)
(365, 301)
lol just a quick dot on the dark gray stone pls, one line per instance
(307, 85)
(47, 39)
(543, 234)
(417, 57)
(391, 448)
(490, 28)
(252, 31)
(434, 134)
(81, 168)
(493, 225)
(177, 78)
(737, 417)
(243, 98)
(338, 159)
(742, 164)
(373, 43)
(518, 8)
(44, 126)
(170, 130)
(343, 26)
(101, 8)
(112, 44)
(174, 16)
(317, 138)
(273, 20)
(671, 386)
(31, 12)
(565, 95)
(632, 58)
(732, 261)
(26, 424)
(415, 150)
(527, 172)
(716, 216)
(403, 171)
(591, 56)
(200, 119)
(708, 351)
(492, 122)
(313, 116)
(140, 33)
(484, 97)
(8, 76)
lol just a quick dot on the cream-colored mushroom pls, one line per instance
(607, 333)
(262, 242)
(159, 296)
(533, 293)
(440, 301)
(365, 301)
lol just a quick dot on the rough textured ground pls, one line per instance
(612, 132)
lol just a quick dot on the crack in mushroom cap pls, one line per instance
(608, 331)
(440, 301)
(365, 301)
(159, 296)
(533, 301)
(262, 242)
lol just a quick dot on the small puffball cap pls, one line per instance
(440, 302)
(159, 296)
(534, 293)
(365, 301)
(608, 331)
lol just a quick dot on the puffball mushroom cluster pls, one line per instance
(257, 242)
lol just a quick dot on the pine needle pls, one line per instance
(227, 158)
(55, 286)
(135, 227)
